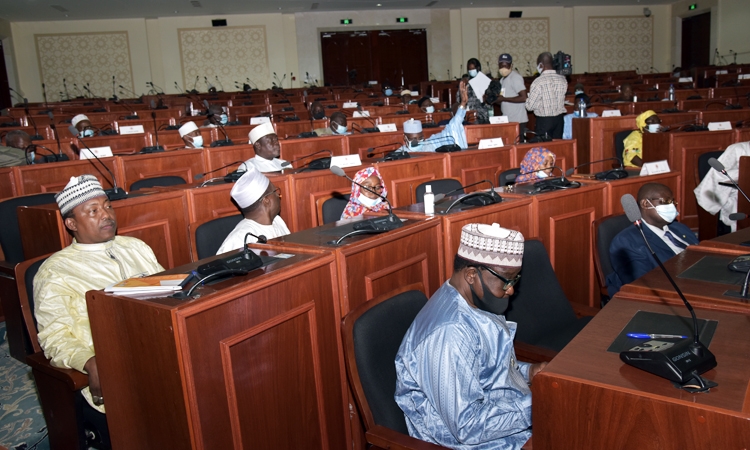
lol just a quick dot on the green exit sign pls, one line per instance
(346, 21)
(693, 6)
(402, 19)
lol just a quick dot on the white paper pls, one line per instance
(498, 119)
(414, 93)
(721, 72)
(435, 99)
(131, 129)
(490, 143)
(346, 161)
(685, 80)
(350, 105)
(716, 126)
(656, 167)
(611, 113)
(101, 152)
(361, 114)
(480, 83)
(259, 120)
(743, 76)
(384, 127)
(373, 82)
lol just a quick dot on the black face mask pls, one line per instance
(317, 115)
(490, 303)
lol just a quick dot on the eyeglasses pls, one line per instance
(276, 191)
(664, 201)
(508, 283)
(378, 187)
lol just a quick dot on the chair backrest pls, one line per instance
(508, 177)
(603, 231)
(539, 305)
(620, 143)
(703, 166)
(10, 234)
(25, 273)
(169, 180)
(206, 237)
(334, 207)
(372, 334)
(441, 186)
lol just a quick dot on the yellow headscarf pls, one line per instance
(640, 121)
(634, 142)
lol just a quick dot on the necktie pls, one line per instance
(674, 240)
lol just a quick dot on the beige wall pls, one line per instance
(733, 22)
(10, 59)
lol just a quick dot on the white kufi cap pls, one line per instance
(250, 187)
(261, 130)
(79, 190)
(412, 126)
(78, 118)
(187, 128)
(491, 245)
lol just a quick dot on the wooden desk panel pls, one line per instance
(170, 139)
(292, 149)
(470, 166)
(732, 115)
(362, 143)
(54, 176)
(403, 176)
(7, 183)
(309, 189)
(239, 367)
(682, 151)
(564, 150)
(181, 163)
(595, 138)
(630, 185)
(221, 156)
(587, 399)
(120, 145)
(507, 131)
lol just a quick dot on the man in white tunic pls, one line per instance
(265, 142)
(717, 198)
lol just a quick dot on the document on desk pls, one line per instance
(480, 83)
(656, 323)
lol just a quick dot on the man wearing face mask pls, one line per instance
(458, 380)
(265, 142)
(317, 111)
(191, 135)
(426, 105)
(547, 98)
(629, 257)
(337, 127)
(513, 96)
(646, 122)
(216, 116)
(453, 133)
(473, 103)
(83, 125)
(387, 89)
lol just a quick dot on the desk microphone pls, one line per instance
(226, 142)
(375, 225)
(550, 184)
(713, 162)
(315, 164)
(684, 361)
(133, 113)
(237, 263)
(612, 174)
(113, 194)
(229, 178)
(52, 157)
(478, 198)
(36, 136)
(154, 148)
(60, 155)
(446, 148)
(392, 154)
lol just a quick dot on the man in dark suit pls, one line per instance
(630, 258)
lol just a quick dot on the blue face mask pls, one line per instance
(340, 129)
(415, 146)
(88, 132)
(224, 119)
(430, 109)
(472, 73)
(389, 92)
(198, 142)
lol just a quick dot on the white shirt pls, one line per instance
(661, 232)
(236, 238)
(714, 197)
(265, 165)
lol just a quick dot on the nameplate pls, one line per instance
(743, 76)
(717, 126)
(685, 80)
(195, 112)
(100, 152)
(656, 167)
(490, 143)
(361, 114)
(132, 129)
(346, 161)
(385, 127)
(350, 104)
(721, 72)
(415, 93)
(611, 113)
(259, 120)
(494, 120)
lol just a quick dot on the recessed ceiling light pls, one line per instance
(379, 4)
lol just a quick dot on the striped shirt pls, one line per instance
(547, 95)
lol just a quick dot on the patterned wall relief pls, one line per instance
(524, 39)
(229, 53)
(83, 59)
(621, 43)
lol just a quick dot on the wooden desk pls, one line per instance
(362, 143)
(587, 399)
(595, 138)
(729, 241)
(470, 166)
(731, 115)
(181, 163)
(120, 144)
(630, 185)
(53, 177)
(293, 149)
(507, 131)
(7, 183)
(255, 362)
(217, 157)
(564, 150)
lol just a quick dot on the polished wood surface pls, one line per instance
(251, 363)
(586, 398)
(182, 163)
(120, 144)
(471, 166)
(294, 149)
(53, 177)
(362, 143)
(595, 139)
(565, 153)
(233, 156)
(731, 241)
(630, 185)
(7, 183)
(403, 176)
(507, 131)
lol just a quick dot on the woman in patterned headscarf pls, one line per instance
(633, 153)
(535, 159)
(362, 201)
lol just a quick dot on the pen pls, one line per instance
(655, 336)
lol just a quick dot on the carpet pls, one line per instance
(22, 425)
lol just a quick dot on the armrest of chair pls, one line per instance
(73, 378)
(386, 438)
(583, 310)
(533, 354)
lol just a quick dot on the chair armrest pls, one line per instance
(73, 378)
(583, 310)
(533, 354)
(386, 438)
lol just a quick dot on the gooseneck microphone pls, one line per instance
(36, 136)
(612, 174)
(60, 155)
(685, 361)
(113, 194)
(133, 113)
(477, 198)
(228, 178)
(391, 154)
(315, 164)
(375, 225)
(226, 142)
(719, 167)
(154, 148)
(551, 184)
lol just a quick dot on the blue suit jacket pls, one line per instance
(631, 259)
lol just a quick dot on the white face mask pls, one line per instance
(667, 212)
(654, 127)
(430, 109)
(197, 141)
(367, 201)
(542, 174)
(472, 73)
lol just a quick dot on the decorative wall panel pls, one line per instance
(83, 59)
(621, 43)
(229, 53)
(524, 39)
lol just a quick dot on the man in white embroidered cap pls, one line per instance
(96, 259)
(191, 135)
(458, 381)
(82, 123)
(453, 133)
(260, 203)
(265, 142)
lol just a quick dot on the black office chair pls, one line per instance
(620, 144)
(372, 334)
(544, 315)
(508, 177)
(169, 180)
(10, 234)
(206, 237)
(441, 186)
(709, 225)
(334, 207)
(603, 230)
